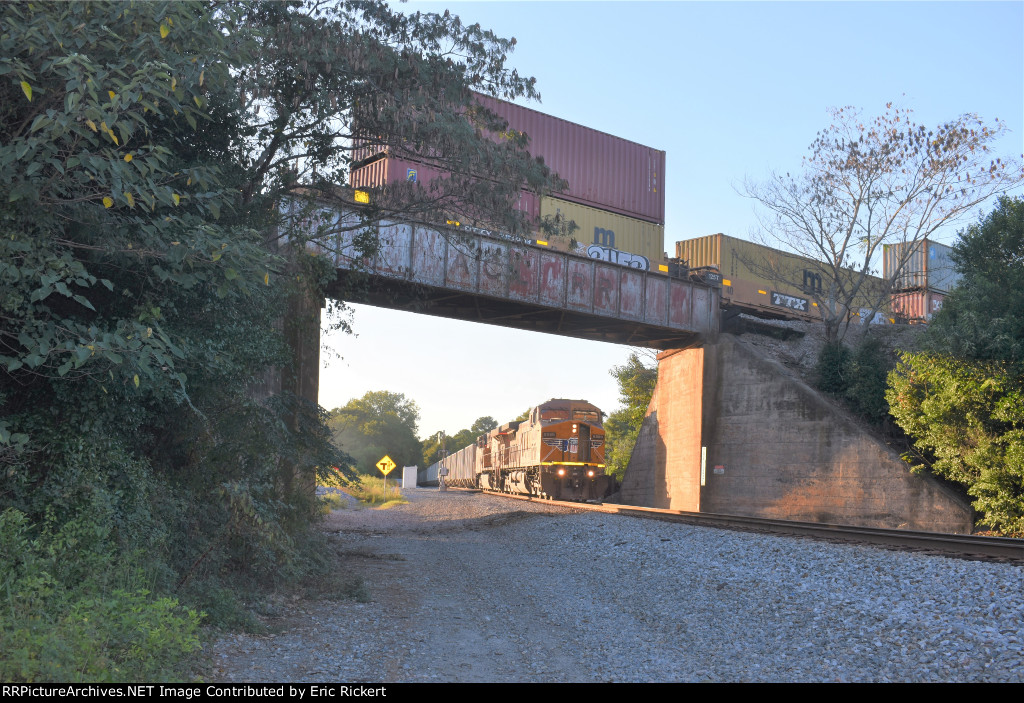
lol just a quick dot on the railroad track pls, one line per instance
(1001, 549)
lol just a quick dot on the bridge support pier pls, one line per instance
(771, 447)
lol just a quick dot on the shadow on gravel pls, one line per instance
(498, 520)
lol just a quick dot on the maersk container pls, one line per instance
(609, 230)
(917, 305)
(766, 280)
(928, 266)
(393, 170)
(603, 171)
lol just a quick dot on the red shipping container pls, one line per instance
(392, 170)
(603, 171)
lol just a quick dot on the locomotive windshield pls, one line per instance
(586, 416)
(554, 415)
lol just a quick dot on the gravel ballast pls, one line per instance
(470, 587)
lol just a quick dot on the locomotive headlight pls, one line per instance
(561, 472)
(574, 426)
(590, 473)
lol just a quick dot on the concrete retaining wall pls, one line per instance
(774, 448)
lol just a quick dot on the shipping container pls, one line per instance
(603, 171)
(608, 232)
(928, 266)
(389, 170)
(765, 280)
(916, 306)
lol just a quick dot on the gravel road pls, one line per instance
(469, 587)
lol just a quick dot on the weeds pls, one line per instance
(370, 490)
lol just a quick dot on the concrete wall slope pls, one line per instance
(775, 447)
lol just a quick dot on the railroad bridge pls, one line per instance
(483, 277)
(725, 431)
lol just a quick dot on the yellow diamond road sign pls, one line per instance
(386, 465)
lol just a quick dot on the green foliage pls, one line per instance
(868, 371)
(145, 151)
(373, 490)
(73, 610)
(962, 401)
(983, 318)
(439, 441)
(833, 369)
(967, 421)
(378, 424)
(636, 386)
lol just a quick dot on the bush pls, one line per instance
(74, 610)
(865, 389)
(833, 370)
(967, 421)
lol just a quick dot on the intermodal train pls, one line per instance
(772, 283)
(557, 452)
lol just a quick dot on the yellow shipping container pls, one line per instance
(607, 229)
(760, 278)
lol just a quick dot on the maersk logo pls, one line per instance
(604, 237)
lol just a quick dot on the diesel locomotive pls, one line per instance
(556, 452)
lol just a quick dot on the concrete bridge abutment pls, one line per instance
(771, 446)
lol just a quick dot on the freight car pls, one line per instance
(556, 452)
(771, 283)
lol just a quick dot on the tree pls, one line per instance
(439, 442)
(145, 152)
(962, 401)
(984, 317)
(636, 386)
(867, 185)
(330, 84)
(380, 423)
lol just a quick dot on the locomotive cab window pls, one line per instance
(586, 416)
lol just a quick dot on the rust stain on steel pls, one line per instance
(524, 274)
(462, 269)
(580, 295)
(477, 263)
(701, 307)
(679, 314)
(493, 269)
(656, 301)
(631, 295)
(606, 290)
(552, 279)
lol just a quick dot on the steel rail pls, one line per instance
(961, 546)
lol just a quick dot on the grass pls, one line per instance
(370, 490)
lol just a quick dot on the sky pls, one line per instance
(730, 91)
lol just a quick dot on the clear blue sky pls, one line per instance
(730, 90)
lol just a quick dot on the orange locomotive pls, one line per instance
(557, 452)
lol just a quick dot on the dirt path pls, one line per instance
(432, 568)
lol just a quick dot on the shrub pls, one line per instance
(865, 389)
(95, 621)
(833, 370)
